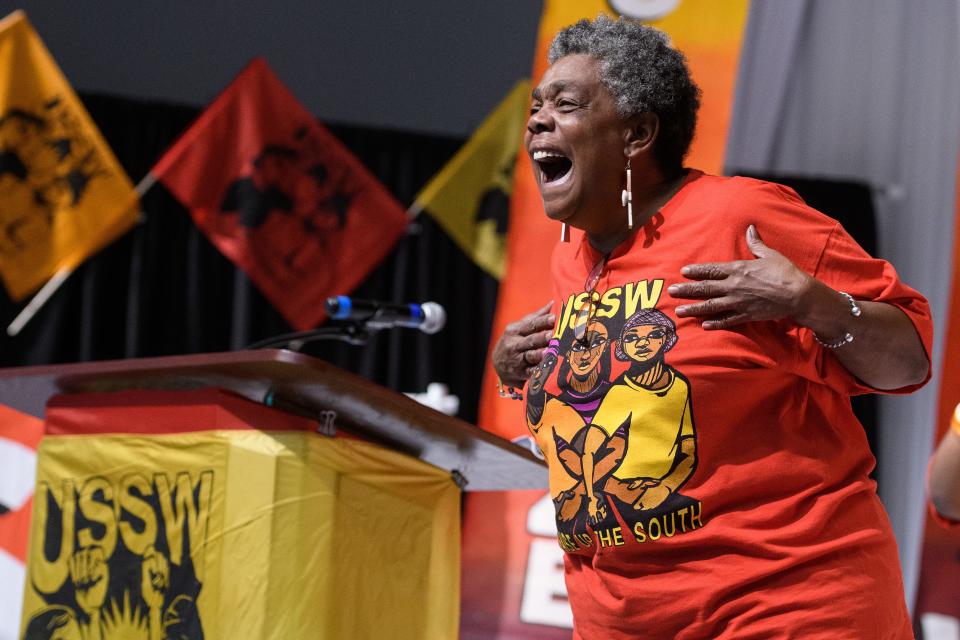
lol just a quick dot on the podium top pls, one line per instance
(300, 384)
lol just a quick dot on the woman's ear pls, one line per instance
(641, 134)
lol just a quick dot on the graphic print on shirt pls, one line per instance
(619, 434)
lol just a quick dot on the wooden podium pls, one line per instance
(295, 500)
(304, 385)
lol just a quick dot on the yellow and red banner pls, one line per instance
(516, 588)
(201, 515)
(63, 195)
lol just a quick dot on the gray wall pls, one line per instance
(422, 65)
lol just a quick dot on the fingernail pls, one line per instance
(673, 288)
(685, 270)
(681, 310)
(552, 317)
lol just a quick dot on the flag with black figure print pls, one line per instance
(280, 196)
(63, 195)
(470, 196)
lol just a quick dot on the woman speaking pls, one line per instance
(721, 481)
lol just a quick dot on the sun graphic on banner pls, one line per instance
(126, 622)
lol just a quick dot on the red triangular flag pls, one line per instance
(280, 196)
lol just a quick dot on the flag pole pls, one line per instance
(415, 209)
(54, 283)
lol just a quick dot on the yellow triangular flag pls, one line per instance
(470, 196)
(63, 195)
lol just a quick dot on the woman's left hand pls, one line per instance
(768, 288)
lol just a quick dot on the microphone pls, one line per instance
(429, 317)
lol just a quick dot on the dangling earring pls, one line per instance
(626, 197)
(564, 232)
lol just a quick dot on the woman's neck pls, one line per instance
(647, 200)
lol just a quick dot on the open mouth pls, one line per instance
(554, 167)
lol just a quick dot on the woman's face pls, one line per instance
(643, 343)
(584, 355)
(576, 142)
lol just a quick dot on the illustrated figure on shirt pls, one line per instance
(560, 423)
(551, 422)
(536, 393)
(648, 414)
(584, 374)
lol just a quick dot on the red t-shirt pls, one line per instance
(731, 496)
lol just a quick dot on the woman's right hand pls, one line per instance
(520, 349)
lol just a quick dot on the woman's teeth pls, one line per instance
(540, 155)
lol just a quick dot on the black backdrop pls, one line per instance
(163, 289)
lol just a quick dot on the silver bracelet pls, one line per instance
(847, 337)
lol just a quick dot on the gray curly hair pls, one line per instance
(644, 73)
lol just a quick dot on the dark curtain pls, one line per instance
(163, 289)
